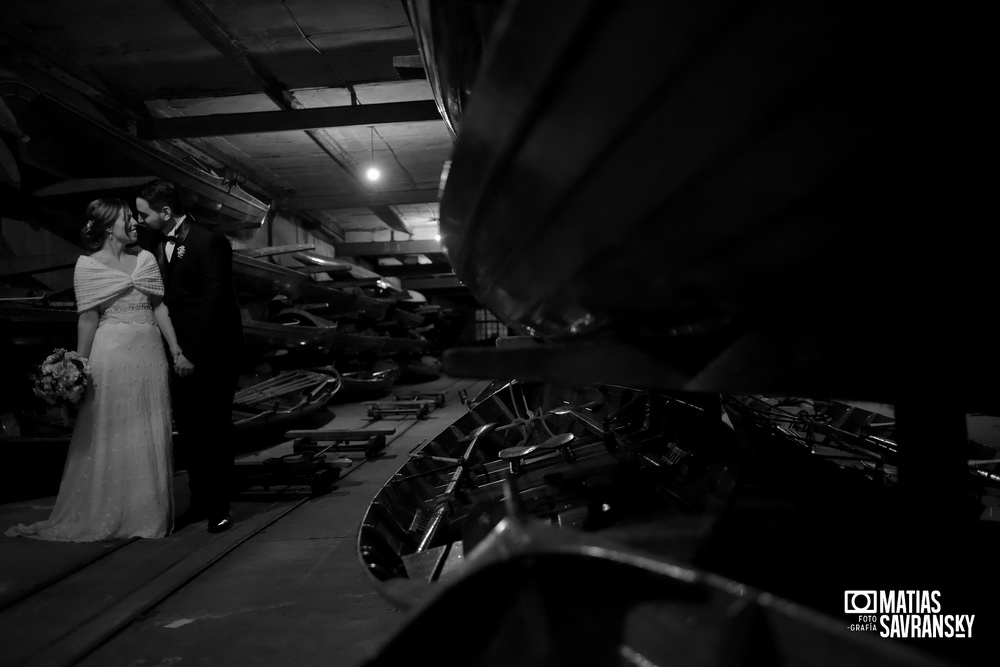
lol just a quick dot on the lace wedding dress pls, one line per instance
(118, 478)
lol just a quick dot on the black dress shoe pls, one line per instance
(219, 525)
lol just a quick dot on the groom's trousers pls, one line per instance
(203, 411)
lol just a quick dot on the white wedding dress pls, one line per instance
(118, 478)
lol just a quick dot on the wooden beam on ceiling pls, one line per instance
(201, 18)
(377, 248)
(389, 217)
(217, 150)
(208, 25)
(219, 125)
(409, 67)
(365, 200)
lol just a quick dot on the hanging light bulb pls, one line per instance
(373, 173)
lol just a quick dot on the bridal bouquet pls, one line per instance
(62, 378)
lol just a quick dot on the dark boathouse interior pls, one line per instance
(576, 332)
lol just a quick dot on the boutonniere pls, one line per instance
(180, 252)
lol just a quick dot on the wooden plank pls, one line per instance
(219, 125)
(390, 218)
(365, 199)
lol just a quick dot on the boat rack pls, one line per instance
(306, 468)
(419, 409)
(435, 397)
(369, 441)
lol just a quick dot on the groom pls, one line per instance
(196, 264)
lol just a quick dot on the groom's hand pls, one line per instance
(182, 366)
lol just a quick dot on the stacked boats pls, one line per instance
(321, 327)
(302, 326)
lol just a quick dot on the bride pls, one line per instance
(117, 482)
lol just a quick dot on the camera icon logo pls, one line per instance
(860, 602)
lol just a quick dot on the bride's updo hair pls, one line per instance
(101, 217)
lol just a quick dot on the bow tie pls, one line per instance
(170, 238)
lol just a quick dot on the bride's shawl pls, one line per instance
(96, 284)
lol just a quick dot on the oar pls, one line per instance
(446, 499)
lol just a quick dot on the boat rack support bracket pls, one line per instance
(417, 409)
(437, 398)
(369, 441)
(300, 469)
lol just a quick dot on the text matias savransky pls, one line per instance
(905, 614)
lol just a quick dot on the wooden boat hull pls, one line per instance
(359, 274)
(376, 379)
(729, 171)
(406, 345)
(269, 338)
(36, 326)
(347, 343)
(275, 419)
(424, 367)
(284, 400)
(255, 277)
(405, 538)
(672, 532)
(452, 40)
(340, 302)
(537, 596)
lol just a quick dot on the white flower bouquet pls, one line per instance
(62, 378)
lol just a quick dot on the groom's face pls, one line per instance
(147, 217)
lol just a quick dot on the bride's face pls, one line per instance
(124, 229)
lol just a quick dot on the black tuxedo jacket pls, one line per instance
(198, 292)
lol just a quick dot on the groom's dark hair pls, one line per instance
(160, 193)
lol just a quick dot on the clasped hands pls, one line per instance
(182, 366)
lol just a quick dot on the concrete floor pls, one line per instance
(285, 586)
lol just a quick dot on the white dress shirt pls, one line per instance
(168, 246)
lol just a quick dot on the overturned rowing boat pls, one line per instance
(594, 459)
(283, 399)
(601, 510)
(366, 379)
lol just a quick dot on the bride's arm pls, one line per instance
(86, 327)
(162, 316)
